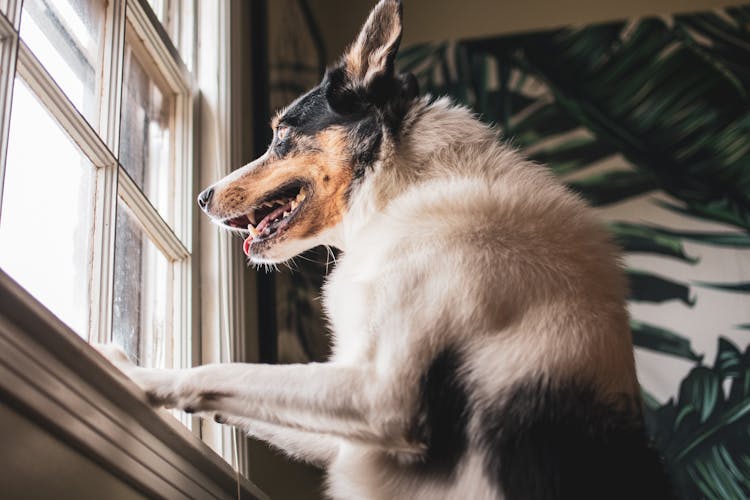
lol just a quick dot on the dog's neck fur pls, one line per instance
(436, 139)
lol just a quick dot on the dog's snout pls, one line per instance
(205, 197)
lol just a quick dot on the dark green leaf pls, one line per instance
(729, 287)
(649, 400)
(727, 239)
(701, 390)
(633, 100)
(728, 359)
(662, 340)
(640, 238)
(647, 287)
(572, 155)
(613, 186)
(721, 212)
(543, 122)
(705, 439)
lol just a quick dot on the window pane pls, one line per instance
(176, 16)
(142, 322)
(67, 37)
(146, 137)
(48, 203)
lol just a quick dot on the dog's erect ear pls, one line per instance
(372, 54)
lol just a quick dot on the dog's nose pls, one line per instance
(205, 197)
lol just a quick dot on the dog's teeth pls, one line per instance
(251, 218)
(294, 204)
(286, 214)
(253, 231)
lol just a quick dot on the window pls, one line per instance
(97, 170)
(45, 226)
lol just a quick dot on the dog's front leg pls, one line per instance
(316, 449)
(321, 398)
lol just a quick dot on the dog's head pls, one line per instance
(324, 145)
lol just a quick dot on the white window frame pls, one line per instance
(174, 241)
(212, 333)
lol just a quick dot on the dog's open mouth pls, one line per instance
(271, 216)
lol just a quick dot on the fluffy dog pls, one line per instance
(481, 346)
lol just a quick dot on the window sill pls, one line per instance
(53, 377)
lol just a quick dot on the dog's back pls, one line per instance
(489, 289)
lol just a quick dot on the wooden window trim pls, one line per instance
(54, 377)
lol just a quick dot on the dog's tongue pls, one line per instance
(246, 245)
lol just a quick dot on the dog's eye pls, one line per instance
(282, 132)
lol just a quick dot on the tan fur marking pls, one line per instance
(325, 167)
(368, 54)
(332, 162)
(353, 62)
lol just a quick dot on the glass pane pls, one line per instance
(67, 36)
(47, 212)
(142, 322)
(146, 136)
(176, 16)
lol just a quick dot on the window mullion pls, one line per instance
(102, 272)
(60, 107)
(160, 47)
(14, 12)
(8, 57)
(163, 63)
(113, 61)
(155, 227)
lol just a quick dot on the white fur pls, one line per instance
(452, 240)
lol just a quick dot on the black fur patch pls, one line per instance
(443, 416)
(565, 443)
(364, 145)
(363, 112)
(311, 113)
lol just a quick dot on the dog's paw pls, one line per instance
(159, 385)
(167, 388)
(115, 355)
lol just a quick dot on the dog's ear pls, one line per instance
(372, 54)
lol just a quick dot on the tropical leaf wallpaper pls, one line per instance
(649, 120)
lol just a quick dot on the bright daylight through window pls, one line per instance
(96, 186)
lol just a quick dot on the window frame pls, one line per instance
(212, 275)
(8, 57)
(175, 240)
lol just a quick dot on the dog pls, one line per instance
(481, 346)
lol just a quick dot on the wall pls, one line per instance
(36, 465)
(435, 20)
